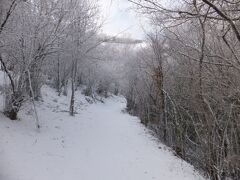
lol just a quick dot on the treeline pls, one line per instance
(52, 42)
(184, 84)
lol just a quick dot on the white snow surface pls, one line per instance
(99, 143)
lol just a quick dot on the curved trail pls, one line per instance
(99, 143)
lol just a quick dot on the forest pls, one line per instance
(181, 79)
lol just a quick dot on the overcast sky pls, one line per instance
(119, 18)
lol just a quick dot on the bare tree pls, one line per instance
(201, 87)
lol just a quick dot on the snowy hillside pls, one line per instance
(99, 143)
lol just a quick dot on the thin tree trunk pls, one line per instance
(58, 77)
(72, 101)
(33, 102)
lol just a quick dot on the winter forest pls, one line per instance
(158, 102)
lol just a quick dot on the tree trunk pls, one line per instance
(58, 77)
(12, 106)
(72, 101)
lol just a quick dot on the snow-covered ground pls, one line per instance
(99, 143)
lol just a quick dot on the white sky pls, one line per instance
(119, 17)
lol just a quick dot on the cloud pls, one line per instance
(120, 19)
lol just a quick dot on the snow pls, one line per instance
(99, 143)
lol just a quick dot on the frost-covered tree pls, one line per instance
(201, 86)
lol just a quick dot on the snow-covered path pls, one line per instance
(99, 143)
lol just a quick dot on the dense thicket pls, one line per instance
(185, 84)
(54, 42)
